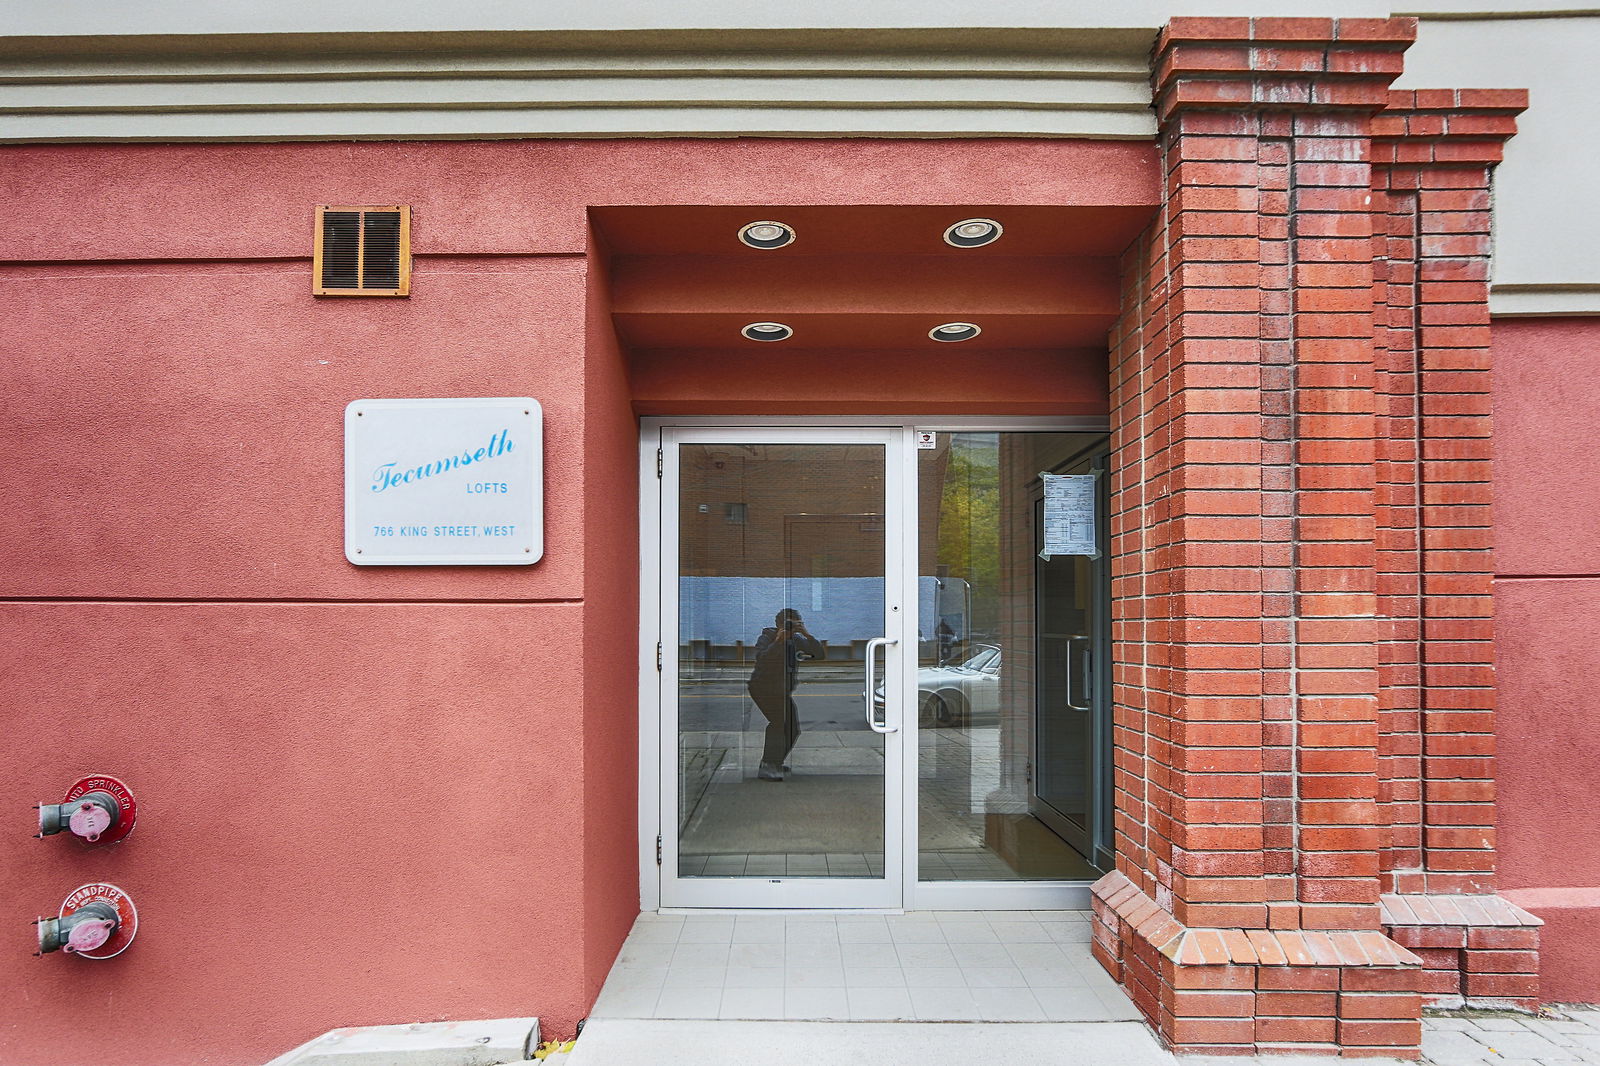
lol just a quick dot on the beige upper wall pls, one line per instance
(1544, 235)
(156, 17)
(77, 17)
(160, 70)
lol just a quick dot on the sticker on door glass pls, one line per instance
(1069, 514)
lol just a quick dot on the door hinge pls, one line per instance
(658, 850)
(658, 656)
(661, 461)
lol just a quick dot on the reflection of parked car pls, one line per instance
(958, 694)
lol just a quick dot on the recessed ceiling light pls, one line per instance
(766, 234)
(954, 331)
(767, 331)
(973, 233)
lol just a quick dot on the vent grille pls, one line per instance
(362, 251)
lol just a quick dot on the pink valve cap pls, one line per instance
(89, 821)
(87, 936)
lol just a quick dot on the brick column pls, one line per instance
(1434, 155)
(1244, 913)
(1301, 553)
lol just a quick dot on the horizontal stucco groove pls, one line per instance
(477, 94)
(999, 65)
(298, 37)
(616, 120)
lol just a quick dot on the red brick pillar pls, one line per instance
(1244, 913)
(1301, 553)
(1434, 153)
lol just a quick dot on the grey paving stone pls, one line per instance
(1451, 1047)
(1494, 1023)
(1585, 1043)
(1524, 1044)
(623, 1042)
(1473, 1039)
(1446, 1022)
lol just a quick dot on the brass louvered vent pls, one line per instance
(362, 251)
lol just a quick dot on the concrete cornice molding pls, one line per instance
(1544, 301)
(888, 83)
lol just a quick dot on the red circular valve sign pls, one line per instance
(118, 791)
(127, 916)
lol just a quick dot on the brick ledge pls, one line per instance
(1413, 910)
(1252, 991)
(1476, 950)
(1247, 947)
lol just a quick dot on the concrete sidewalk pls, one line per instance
(1467, 1039)
(993, 987)
(641, 1042)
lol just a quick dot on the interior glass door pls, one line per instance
(781, 696)
(1073, 685)
(1005, 690)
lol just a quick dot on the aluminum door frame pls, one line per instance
(953, 895)
(786, 893)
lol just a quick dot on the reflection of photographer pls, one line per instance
(772, 684)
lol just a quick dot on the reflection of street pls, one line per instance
(825, 818)
(829, 698)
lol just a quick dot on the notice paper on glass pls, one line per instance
(1069, 501)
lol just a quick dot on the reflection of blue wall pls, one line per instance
(724, 610)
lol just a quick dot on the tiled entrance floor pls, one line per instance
(1014, 966)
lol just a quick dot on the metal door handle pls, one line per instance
(872, 646)
(1087, 695)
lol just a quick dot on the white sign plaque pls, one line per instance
(1069, 505)
(444, 482)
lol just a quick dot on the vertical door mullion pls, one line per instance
(667, 677)
(900, 607)
(650, 693)
(910, 653)
(1101, 797)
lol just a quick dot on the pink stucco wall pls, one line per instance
(315, 745)
(368, 795)
(350, 813)
(610, 645)
(407, 744)
(1547, 612)
(65, 202)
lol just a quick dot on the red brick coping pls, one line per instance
(1476, 951)
(1246, 991)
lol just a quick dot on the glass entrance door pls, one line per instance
(999, 737)
(781, 743)
(873, 691)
